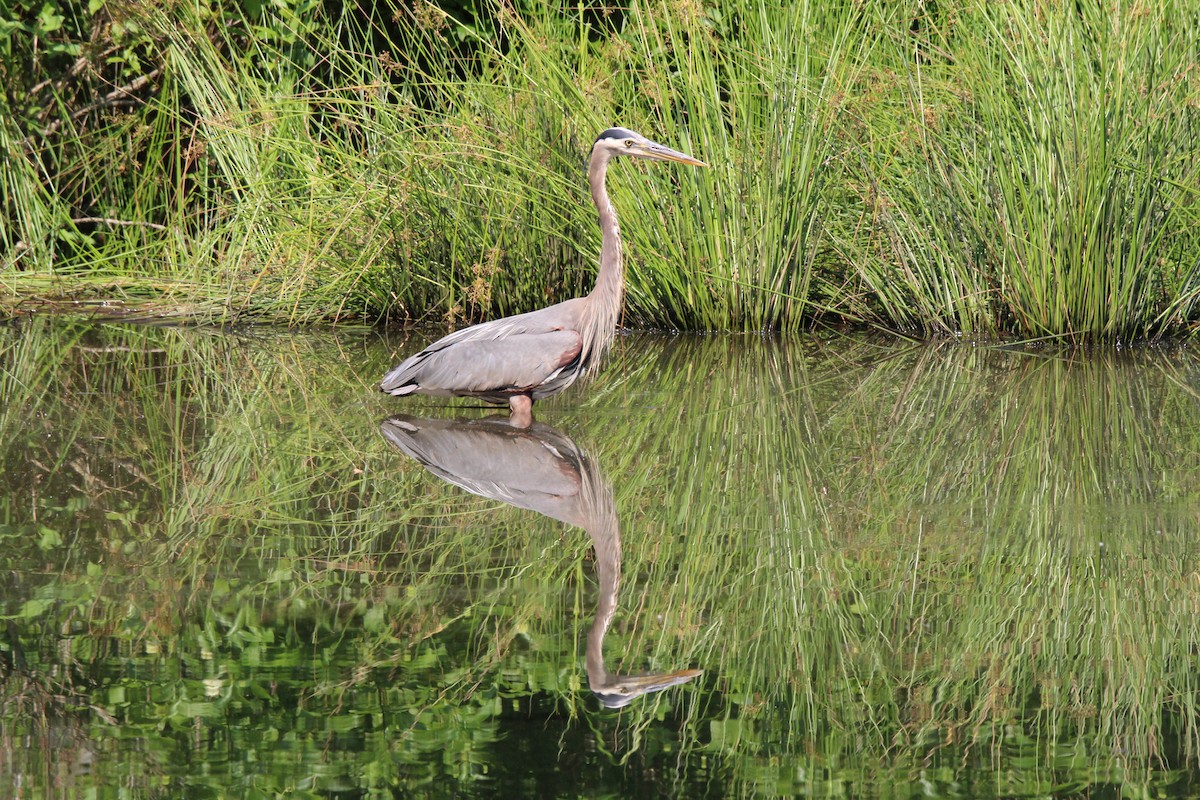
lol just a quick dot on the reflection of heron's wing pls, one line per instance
(536, 468)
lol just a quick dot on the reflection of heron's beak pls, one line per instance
(660, 152)
(624, 688)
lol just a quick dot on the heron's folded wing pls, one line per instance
(500, 334)
(515, 363)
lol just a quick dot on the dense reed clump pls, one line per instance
(1043, 181)
(1026, 168)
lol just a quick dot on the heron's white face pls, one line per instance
(624, 142)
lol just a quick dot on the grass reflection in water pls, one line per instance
(968, 570)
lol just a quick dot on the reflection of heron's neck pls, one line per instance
(613, 691)
(607, 541)
(604, 303)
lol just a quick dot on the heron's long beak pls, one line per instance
(659, 152)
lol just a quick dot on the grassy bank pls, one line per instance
(1023, 168)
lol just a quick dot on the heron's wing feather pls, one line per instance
(475, 359)
(514, 363)
(544, 320)
(518, 362)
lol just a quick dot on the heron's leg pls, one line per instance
(521, 406)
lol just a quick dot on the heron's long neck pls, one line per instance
(606, 298)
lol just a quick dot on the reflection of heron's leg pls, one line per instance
(522, 410)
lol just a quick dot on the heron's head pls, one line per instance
(621, 690)
(624, 142)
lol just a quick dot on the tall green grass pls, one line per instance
(1046, 185)
(1023, 169)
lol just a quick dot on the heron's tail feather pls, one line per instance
(401, 380)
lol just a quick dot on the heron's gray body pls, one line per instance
(529, 356)
(538, 353)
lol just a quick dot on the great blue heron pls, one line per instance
(541, 469)
(529, 356)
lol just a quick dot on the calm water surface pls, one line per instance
(827, 565)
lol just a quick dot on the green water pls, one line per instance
(902, 570)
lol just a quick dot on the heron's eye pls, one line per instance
(629, 142)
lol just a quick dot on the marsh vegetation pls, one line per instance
(1024, 168)
(961, 561)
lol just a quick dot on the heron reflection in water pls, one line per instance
(543, 470)
(529, 356)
